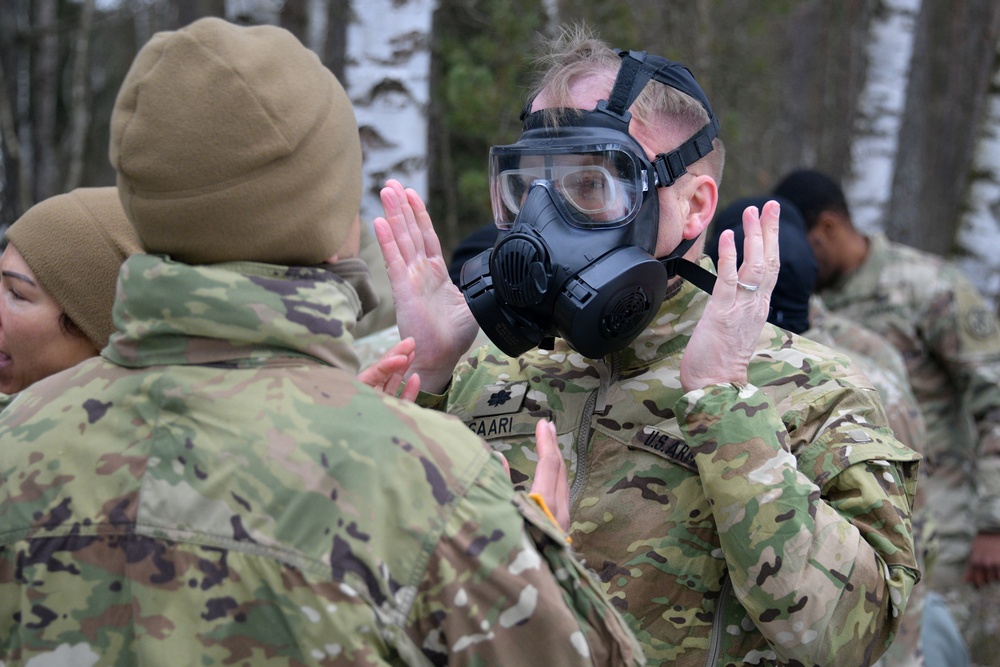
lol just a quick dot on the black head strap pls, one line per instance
(637, 68)
(676, 265)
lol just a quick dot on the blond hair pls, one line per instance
(576, 53)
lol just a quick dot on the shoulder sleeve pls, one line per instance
(963, 334)
(819, 547)
(502, 588)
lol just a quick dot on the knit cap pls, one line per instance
(74, 244)
(236, 143)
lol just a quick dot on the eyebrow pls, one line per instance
(19, 276)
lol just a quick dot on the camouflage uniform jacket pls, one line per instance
(216, 491)
(884, 366)
(763, 525)
(950, 341)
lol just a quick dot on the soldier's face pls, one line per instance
(33, 343)
(675, 202)
(827, 272)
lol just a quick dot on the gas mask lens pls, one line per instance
(597, 188)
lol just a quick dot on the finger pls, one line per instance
(411, 388)
(391, 257)
(545, 472)
(550, 474)
(751, 271)
(404, 347)
(378, 374)
(506, 466)
(399, 217)
(725, 286)
(562, 482)
(770, 224)
(425, 238)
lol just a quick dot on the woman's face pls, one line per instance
(33, 345)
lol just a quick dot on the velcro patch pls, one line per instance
(500, 426)
(665, 445)
(501, 398)
(980, 323)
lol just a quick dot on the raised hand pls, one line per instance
(429, 307)
(551, 481)
(388, 372)
(984, 560)
(727, 334)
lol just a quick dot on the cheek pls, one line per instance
(670, 231)
(819, 252)
(39, 346)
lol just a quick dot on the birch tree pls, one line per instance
(946, 101)
(880, 112)
(979, 231)
(388, 79)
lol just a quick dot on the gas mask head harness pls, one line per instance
(578, 213)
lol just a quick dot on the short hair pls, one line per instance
(813, 193)
(576, 52)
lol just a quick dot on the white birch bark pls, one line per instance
(551, 9)
(979, 229)
(880, 112)
(388, 80)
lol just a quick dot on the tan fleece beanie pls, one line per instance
(74, 244)
(236, 143)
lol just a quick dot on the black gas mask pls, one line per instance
(579, 215)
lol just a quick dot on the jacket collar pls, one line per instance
(236, 314)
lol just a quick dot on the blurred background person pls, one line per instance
(950, 340)
(57, 284)
(928, 634)
(217, 486)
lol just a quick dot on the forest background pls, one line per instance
(900, 99)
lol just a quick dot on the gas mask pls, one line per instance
(578, 212)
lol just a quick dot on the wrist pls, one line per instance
(435, 380)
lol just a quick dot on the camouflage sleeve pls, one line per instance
(431, 401)
(541, 607)
(826, 568)
(964, 335)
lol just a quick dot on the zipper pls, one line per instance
(715, 640)
(596, 402)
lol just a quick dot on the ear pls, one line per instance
(701, 205)
(351, 247)
(828, 225)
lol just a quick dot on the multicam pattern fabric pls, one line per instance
(219, 490)
(763, 525)
(950, 340)
(372, 346)
(884, 366)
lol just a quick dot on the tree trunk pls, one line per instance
(295, 18)
(335, 49)
(389, 85)
(945, 103)
(880, 111)
(979, 231)
(80, 98)
(17, 174)
(45, 80)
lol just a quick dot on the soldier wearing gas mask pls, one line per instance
(734, 487)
